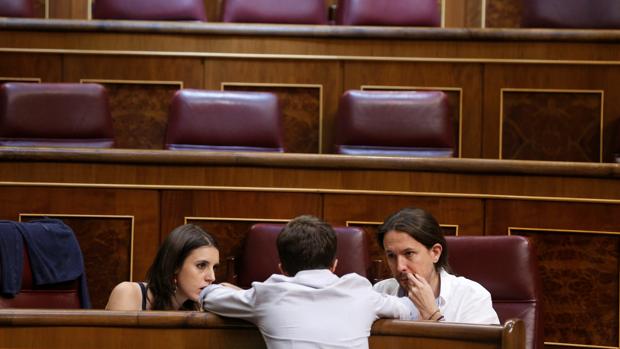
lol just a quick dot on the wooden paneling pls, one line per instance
(304, 79)
(503, 14)
(100, 237)
(590, 86)
(550, 125)
(47, 68)
(448, 77)
(69, 9)
(578, 246)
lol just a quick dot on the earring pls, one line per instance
(174, 285)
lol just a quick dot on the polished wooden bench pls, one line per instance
(34, 328)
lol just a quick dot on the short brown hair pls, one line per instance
(306, 243)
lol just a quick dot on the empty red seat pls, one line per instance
(389, 12)
(394, 123)
(171, 10)
(275, 11)
(55, 114)
(16, 8)
(571, 14)
(507, 267)
(224, 120)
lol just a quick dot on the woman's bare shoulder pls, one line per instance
(125, 296)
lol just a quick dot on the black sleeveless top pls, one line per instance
(144, 294)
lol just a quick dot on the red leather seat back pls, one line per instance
(172, 10)
(16, 8)
(389, 12)
(400, 123)
(260, 258)
(507, 267)
(275, 11)
(231, 121)
(603, 14)
(63, 295)
(55, 114)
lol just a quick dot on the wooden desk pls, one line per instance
(121, 203)
(154, 330)
(514, 93)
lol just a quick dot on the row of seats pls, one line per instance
(349, 12)
(400, 123)
(535, 13)
(505, 265)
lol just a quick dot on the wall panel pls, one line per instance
(578, 247)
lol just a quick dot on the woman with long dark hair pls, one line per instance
(184, 265)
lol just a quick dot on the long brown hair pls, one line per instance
(170, 257)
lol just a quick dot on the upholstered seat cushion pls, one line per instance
(397, 123)
(224, 120)
(507, 267)
(17, 8)
(174, 10)
(571, 14)
(389, 12)
(275, 11)
(55, 114)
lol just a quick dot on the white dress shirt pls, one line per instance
(313, 309)
(460, 299)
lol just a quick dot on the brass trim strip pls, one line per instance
(311, 191)
(348, 224)
(442, 6)
(133, 220)
(571, 231)
(579, 345)
(483, 14)
(576, 91)
(133, 82)
(309, 57)
(237, 219)
(260, 84)
(89, 9)
(8, 78)
(47, 9)
(430, 88)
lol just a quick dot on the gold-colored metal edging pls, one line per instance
(312, 191)
(309, 57)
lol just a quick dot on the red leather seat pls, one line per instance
(170, 10)
(389, 12)
(224, 120)
(61, 115)
(16, 8)
(394, 123)
(275, 11)
(260, 257)
(507, 267)
(601, 14)
(63, 295)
